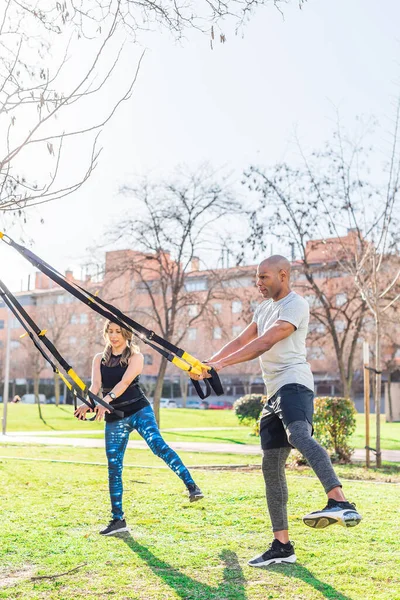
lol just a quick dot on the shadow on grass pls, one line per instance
(299, 572)
(232, 586)
(42, 418)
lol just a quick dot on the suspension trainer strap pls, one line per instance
(183, 360)
(38, 337)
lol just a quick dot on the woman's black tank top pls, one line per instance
(132, 400)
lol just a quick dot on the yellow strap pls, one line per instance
(65, 380)
(1, 235)
(43, 332)
(77, 379)
(23, 335)
(181, 364)
(194, 361)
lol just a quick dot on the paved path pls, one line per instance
(246, 449)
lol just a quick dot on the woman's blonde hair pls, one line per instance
(131, 347)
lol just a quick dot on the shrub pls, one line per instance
(334, 424)
(248, 409)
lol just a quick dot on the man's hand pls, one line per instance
(205, 373)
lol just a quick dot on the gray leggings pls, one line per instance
(273, 467)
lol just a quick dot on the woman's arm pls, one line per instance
(95, 387)
(135, 367)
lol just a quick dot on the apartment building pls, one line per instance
(212, 307)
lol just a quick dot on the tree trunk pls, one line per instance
(378, 391)
(184, 384)
(36, 393)
(158, 389)
(57, 388)
(389, 384)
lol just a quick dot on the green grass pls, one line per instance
(25, 417)
(51, 514)
(22, 417)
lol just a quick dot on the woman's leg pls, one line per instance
(117, 435)
(146, 425)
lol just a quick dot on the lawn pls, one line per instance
(23, 417)
(52, 511)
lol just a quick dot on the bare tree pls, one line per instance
(344, 197)
(173, 222)
(40, 97)
(290, 209)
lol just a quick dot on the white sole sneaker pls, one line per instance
(115, 531)
(324, 518)
(273, 561)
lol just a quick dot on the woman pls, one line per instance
(116, 373)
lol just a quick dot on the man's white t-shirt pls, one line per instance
(286, 361)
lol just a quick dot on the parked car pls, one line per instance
(168, 403)
(31, 398)
(195, 404)
(220, 405)
(52, 400)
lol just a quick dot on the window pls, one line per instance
(72, 340)
(74, 319)
(196, 285)
(397, 354)
(340, 326)
(237, 282)
(236, 306)
(193, 310)
(217, 308)
(60, 299)
(316, 328)
(237, 330)
(192, 333)
(14, 344)
(15, 324)
(217, 333)
(84, 319)
(315, 353)
(1, 324)
(148, 359)
(253, 305)
(341, 299)
(312, 300)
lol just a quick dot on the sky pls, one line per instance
(238, 104)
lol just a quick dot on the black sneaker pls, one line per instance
(195, 492)
(277, 553)
(114, 526)
(343, 513)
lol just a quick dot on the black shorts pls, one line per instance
(292, 402)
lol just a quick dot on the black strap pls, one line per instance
(33, 330)
(108, 311)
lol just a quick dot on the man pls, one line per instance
(277, 335)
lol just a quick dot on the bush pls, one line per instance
(248, 409)
(334, 424)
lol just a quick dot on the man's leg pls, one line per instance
(338, 510)
(299, 436)
(281, 549)
(273, 468)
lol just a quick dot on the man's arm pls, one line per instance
(247, 335)
(277, 332)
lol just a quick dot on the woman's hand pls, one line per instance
(100, 412)
(81, 411)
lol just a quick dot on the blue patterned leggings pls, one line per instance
(117, 436)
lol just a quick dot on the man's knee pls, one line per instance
(299, 432)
